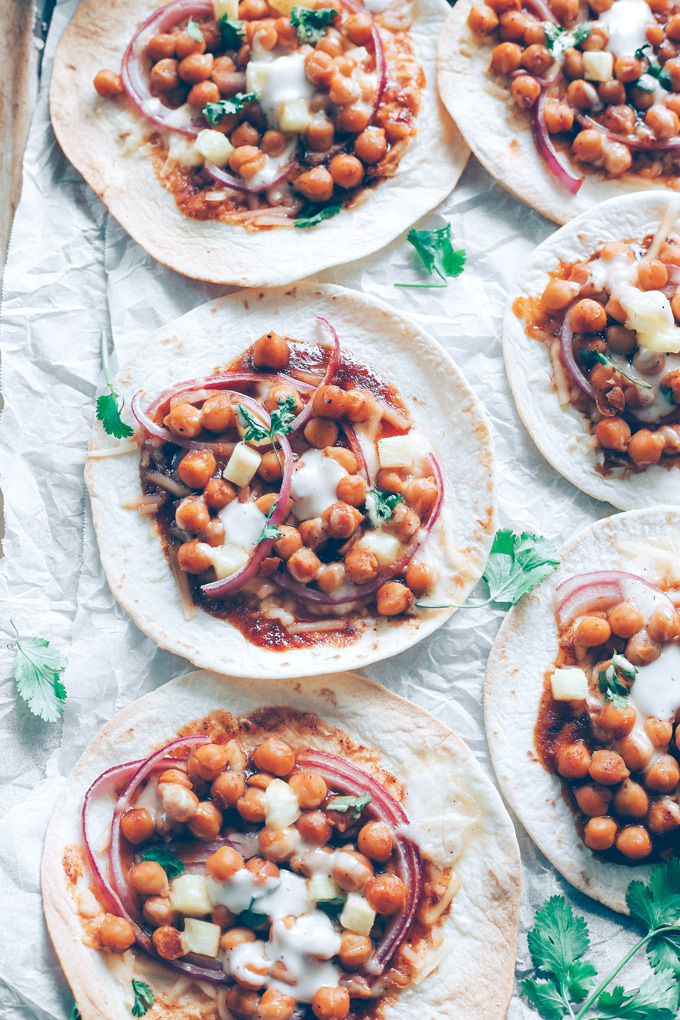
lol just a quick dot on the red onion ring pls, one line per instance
(540, 9)
(222, 381)
(636, 144)
(596, 592)
(331, 368)
(349, 779)
(569, 358)
(161, 432)
(545, 147)
(380, 62)
(357, 449)
(240, 184)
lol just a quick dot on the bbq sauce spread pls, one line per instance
(304, 503)
(272, 879)
(610, 326)
(258, 113)
(607, 718)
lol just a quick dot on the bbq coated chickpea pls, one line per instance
(627, 69)
(347, 171)
(275, 1005)
(164, 77)
(345, 458)
(375, 841)
(558, 117)
(617, 721)
(652, 274)
(355, 950)
(185, 44)
(613, 434)
(116, 934)
(573, 760)
(663, 775)
(279, 392)
(207, 821)
(213, 533)
(137, 825)
(275, 756)
(314, 827)
(617, 159)
(641, 650)
(202, 93)
(625, 619)
(331, 577)
(224, 863)
(664, 624)
(196, 67)
(107, 84)
(236, 937)
(506, 58)
(228, 788)
(261, 869)
(312, 533)
(537, 58)
(161, 46)
(588, 316)
(179, 803)
(420, 577)
(269, 468)
(158, 912)
(619, 339)
(184, 420)
(619, 118)
(386, 894)
(319, 68)
(361, 404)
(391, 480)
(196, 468)
(633, 842)
(340, 520)
(393, 598)
(592, 799)
(663, 122)
(288, 543)
(209, 760)
(600, 833)
(608, 768)
(663, 816)
(404, 522)
(277, 844)
(342, 90)
(240, 1001)
(271, 351)
(193, 558)
(351, 119)
(218, 413)
(149, 879)
(247, 160)
(273, 144)
(631, 800)
(421, 494)
(330, 1003)
(320, 132)
(514, 24)
(192, 514)
(482, 19)
(251, 805)
(321, 432)
(361, 566)
(659, 731)
(315, 184)
(303, 566)
(558, 295)
(370, 146)
(309, 788)
(592, 631)
(582, 96)
(573, 64)
(244, 134)
(635, 751)
(329, 402)
(175, 776)
(168, 942)
(612, 91)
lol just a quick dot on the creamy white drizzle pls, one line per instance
(656, 688)
(314, 483)
(274, 165)
(627, 21)
(243, 523)
(278, 78)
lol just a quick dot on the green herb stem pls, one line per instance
(423, 286)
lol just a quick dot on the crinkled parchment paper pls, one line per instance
(73, 272)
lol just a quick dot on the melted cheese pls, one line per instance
(314, 483)
(627, 21)
(243, 524)
(279, 79)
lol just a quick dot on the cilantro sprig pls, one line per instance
(303, 221)
(269, 530)
(559, 39)
(591, 357)
(194, 30)
(559, 941)
(655, 72)
(110, 405)
(380, 505)
(437, 254)
(610, 685)
(37, 674)
(233, 32)
(281, 423)
(169, 862)
(214, 111)
(144, 998)
(516, 564)
(346, 804)
(311, 26)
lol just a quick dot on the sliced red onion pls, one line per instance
(636, 144)
(331, 368)
(222, 381)
(569, 357)
(597, 592)
(240, 184)
(380, 62)
(349, 779)
(540, 9)
(357, 449)
(161, 432)
(107, 780)
(545, 147)
(133, 74)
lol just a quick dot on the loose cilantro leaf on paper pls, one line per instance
(37, 669)
(171, 865)
(233, 32)
(213, 111)
(437, 254)
(269, 530)
(110, 405)
(311, 25)
(305, 221)
(380, 505)
(75, 1013)
(194, 30)
(144, 998)
(610, 685)
(655, 999)
(354, 804)
(590, 357)
(654, 69)
(547, 999)
(658, 903)
(559, 39)
(557, 942)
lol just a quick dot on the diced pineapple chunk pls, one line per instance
(569, 684)
(357, 915)
(214, 147)
(599, 65)
(201, 937)
(256, 76)
(294, 116)
(226, 7)
(284, 7)
(189, 895)
(242, 465)
(281, 806)
(386, 548)
(226, 559)
(322, 887)
(395, 452)
(649, 313)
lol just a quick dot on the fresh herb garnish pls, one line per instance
(668, 393)
(590, 357)
(144, 998)
(251, 919)
(193, 29)
(171, 865)
(654, 69)
(311, 25)
(612, 688)
(75, 1013)
(559, 39)
(380, 505)
(269, 530)
(213, 111)
(516, 564)
(323, 214)
(559, 940)
(110, 405)
(233, 32)
(37, 669)
(354, 804)
(332, 907)
(281, 419)
(438, 255)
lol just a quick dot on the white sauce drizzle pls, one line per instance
(313, 486)
(627, 21)
(243, 523)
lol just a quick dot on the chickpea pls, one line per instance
(164, 77)
(228, 788)
(197, 468)
(312, 533)
(309, 788)
(659, 731)
(391, 480)
(178, 802)
(672, 379)
(592, 799)
(185, 44)
(588, 316)
(625, 619)
(673, 68)
(608, 768)
(612, 92)
(137, 825)
(184, 420)
(664, 624)
(673, 28)
(370, 146)
(600, 833)
(617, 721)
(613, 434)
(251, 805)
(275, 756)
(506, 58)
(592, 631)
(213, 533)
(355, 950)
(537, 59)
(663, 122)
(482, 19)
(386, 894)
(582, 96)
(573, 760)
(116, 934)
(620, 340)
(329, 402)
(345, 458)
(514, 24)
(279, 392)
(663, 816)
(393, 598)
(244, 134)
(351, 120)
(619, 118)
(340, 520)
(207, 821)
(149, 879)
(558, 117)
(107, 84)
(209, 760)
(271, 351)
(321, 432)
(224, 863)
(242, 1002)
(277, 844)
(652, 274)
(236, 937)
(347, 171)
(375, 841)
(525, 91)
(633, 842)
(319, 68)
(361, 566)
(574, 67)
(168, 943)
(247, 160)
(404, 522)
(331, 577)
(421, 495)
(202, 93)
(314, 827)
(288, 543)
(320, 133)
(631, 800)
(275, 1005)
(303, 566)
(218, 413)
(175, 776)
(420, 577)
(192, 514)
(316, 185)
(261, 869)
(158, 912)
(196, 67)
(160, 47)
(627, 69)
(273, 144)
(330, 1003)
(663, 775)
(361, 404)
(641, 650)
(635, 751)
(193, 557)
(640, 99)
(269, 468)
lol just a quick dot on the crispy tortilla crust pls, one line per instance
(526, 646)
(449, 415)
(561, 434)
(500, 135)
(87, 128)
(447, 792)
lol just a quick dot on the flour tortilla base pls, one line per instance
(447, 795)
(500, 135)
(561, 434)
(406, 356)
(88, 130)
(527, 646)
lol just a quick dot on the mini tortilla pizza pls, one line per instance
(211, 129)
(581, 704)
(566, 104)
(296, 485)
(592, 350)
(279, 851)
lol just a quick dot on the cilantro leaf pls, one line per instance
(658, 903)
(144, 998)
(75, 1012)
(546, 997)
(612, 688)
(304, 221)
(251, 918)
(655, 999)
(37, 669)
(311, 25)
(233, 32)
(280, 425)
(380, 505)
(557, 938)
(654, 69)
(110, 405)
(664, 952)
(213, 111)
(591, 357)
(255, 429)
(282, 416)
(193, 29)
(354, 804)
(559, 39)
(171, 864)
(668, 393)
(517, 563)
(269, 530)
(437, 254)
(580, 980)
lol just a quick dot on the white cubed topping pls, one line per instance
(649, 313)
(226, 559)
(201, 937)
(280, 805)
(214, 147)
(357, 915)
(569, 684)
(395, 452)
(189, 895)
(242, 465)
(228, 7)
(294, 116)
(386, 548)
(599, 65)
(322, 887)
